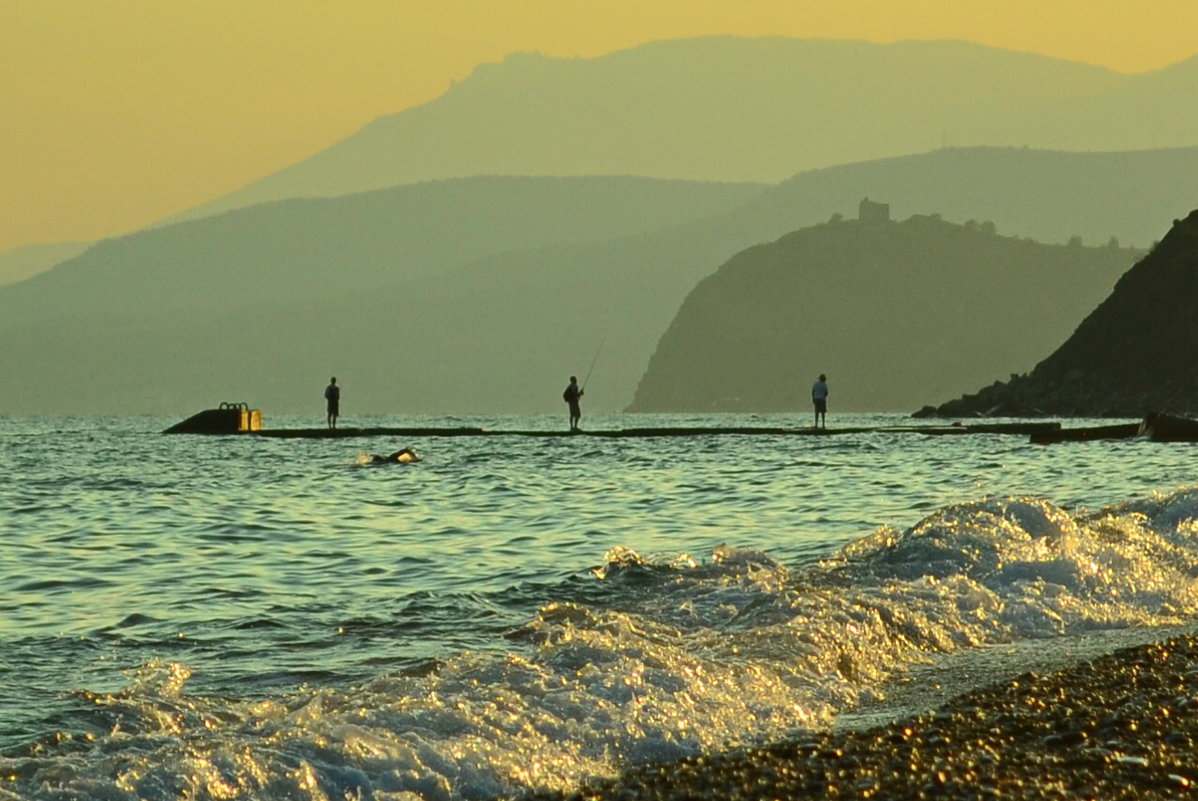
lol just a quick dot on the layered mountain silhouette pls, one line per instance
(429, 297)
(26, 262)
(890, 311)
(1050, 196)
(305, 251)
(1130, 357)
(483, 295)
(744, 109)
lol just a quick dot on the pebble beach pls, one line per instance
(1121, 725)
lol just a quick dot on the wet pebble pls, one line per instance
(1120, 727)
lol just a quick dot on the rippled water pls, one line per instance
(261, 618)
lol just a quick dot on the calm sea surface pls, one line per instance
(224, 617)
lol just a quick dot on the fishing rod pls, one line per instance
(588, 376)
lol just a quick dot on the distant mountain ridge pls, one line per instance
(890, 311)
(397, 291)
(740, 109)
(479, 295)
(735, 109)
(26, 262)
(1047, 195)
(300, 251)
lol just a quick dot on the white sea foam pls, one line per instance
(682, 655)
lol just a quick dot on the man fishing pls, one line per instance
(572, 394)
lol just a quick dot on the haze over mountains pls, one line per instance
(741, 109)
(734, 109)
(248, 304)
(26, 262)
(309, 251)
(421, 299)
(1050, 196)
(482, 294)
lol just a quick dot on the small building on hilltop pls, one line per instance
(869, 211)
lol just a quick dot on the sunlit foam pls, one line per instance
(680, 655)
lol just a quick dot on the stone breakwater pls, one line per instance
(1124, 725)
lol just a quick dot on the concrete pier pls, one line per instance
(239, 420)
(1018, 429)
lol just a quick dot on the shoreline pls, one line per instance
(928, 686)
(1123, 724)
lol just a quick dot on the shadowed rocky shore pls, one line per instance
(1125, 358)
(1122, 725)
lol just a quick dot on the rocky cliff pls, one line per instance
(1132, 355)
(893, 313)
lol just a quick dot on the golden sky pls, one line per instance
(116, 113)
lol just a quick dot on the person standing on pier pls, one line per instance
(572, 395)
(819, 397)
(332, 397)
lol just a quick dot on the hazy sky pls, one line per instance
(115, 113)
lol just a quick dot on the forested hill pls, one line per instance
(893, 313)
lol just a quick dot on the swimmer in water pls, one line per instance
(402, 456)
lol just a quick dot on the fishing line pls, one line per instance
(588, 376)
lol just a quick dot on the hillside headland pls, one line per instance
(1129, 357)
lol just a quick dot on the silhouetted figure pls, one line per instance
(401, 456)
(819, 397)
(332, 397)
(572, 395)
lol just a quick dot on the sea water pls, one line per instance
(253, 618)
